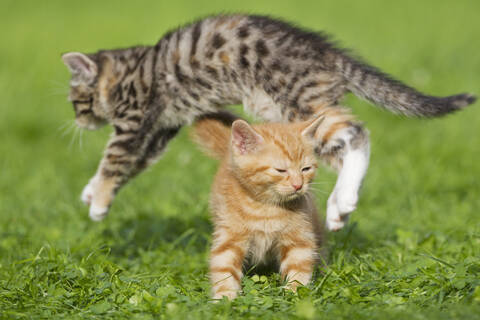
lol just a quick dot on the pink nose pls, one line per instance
(297, 186)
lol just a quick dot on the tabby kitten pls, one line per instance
(260, 202)
(279, 72)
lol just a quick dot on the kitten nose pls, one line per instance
(297, 186)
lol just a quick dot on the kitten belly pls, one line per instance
(261, 247)
(266, 230)
(264, 238)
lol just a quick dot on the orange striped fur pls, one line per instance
(260, 200)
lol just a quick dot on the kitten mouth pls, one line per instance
(93, 125)
(293, 195)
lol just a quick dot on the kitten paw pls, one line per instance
(336, 219)
(346, 202)
(293, 285)
(335, 225)
(89, 191)
(230, 294)
(87, 194)
(98, 213)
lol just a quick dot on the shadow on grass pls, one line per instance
(349, 239)
(150, 231)
(154, 230)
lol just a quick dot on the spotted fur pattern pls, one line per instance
(260, 202)
(279, 72)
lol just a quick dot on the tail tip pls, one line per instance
(470, 98)
(464, 99)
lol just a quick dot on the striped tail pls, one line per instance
(381, 89)
(212, 133)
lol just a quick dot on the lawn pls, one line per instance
(412, 249)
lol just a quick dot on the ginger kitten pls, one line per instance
(261, 206)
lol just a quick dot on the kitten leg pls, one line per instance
(114, 170)
(105, 190)
(226, 260)
(348, 149)
(125, 156)
(297, 260)
(87, 193)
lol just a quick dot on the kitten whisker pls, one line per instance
(64, 124)
(319, 191)
(74, 137)
(81, 140)
(67, 128)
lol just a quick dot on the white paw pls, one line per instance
(87, 194)
(336, 217)
(333, 214)
(98, 213)
(346, 201)
(335, 225)
(89, 191)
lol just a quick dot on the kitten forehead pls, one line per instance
(286, 141)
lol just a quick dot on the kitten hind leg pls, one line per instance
(349, 150)
(343, 144)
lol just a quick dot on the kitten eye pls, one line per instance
(281, 170)
(82, 101)
(306, 169)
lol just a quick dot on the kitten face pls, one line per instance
(84, 104)
(276, 162)
(291, 179)
(83, 91)
(273, 175)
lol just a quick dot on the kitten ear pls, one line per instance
(244, 138)
(311, 128)
(80, 66)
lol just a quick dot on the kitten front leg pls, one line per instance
(226, 261)
(88, 190)
(348, 149)
(126, 155)
(297, 260)
(116, 167)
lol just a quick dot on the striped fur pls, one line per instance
(279, 72)
(261, 205)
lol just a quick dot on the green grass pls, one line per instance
(411, 251)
